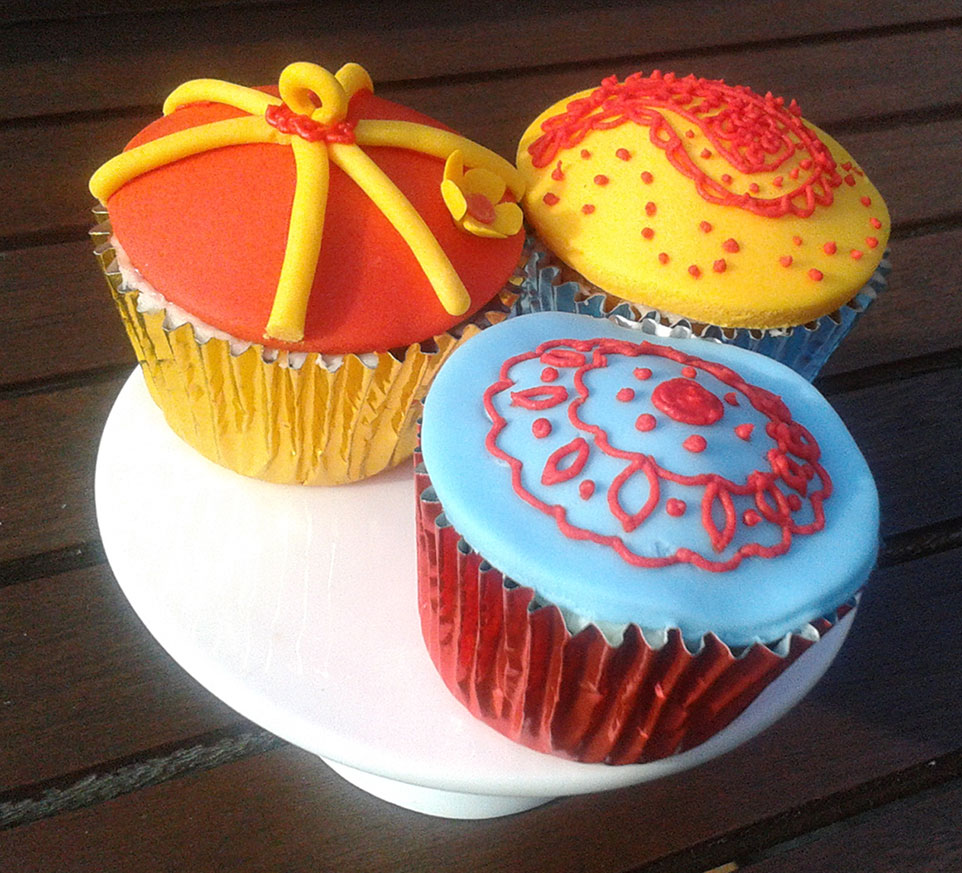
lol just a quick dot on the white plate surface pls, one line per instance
(297, 607)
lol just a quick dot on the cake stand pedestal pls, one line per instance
(297, 607)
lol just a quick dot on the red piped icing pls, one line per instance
(751, 133)
(675, 507)
(790, 466)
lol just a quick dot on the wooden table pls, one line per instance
(112, 758)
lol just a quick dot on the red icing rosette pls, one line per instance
(516, 666)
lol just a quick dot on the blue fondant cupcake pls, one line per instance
(623, 539)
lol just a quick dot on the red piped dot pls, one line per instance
(816, 275)
(778, 181)
(690, 134)
(557, 174)
(705, 227)
(847, 166)
(663, 257)
(797, 240)
(871, 242)
(647, 232)
(675, 507)
(793, 173)
(694, 270)
(550, 199)
(726, 179)
(829, 248)
(696, 443)
(625, 395)
(689, 372)
(647, 178)
(750, 518)
(856, 255)
(641, 373)
(806, 163)
(645, 422)
(540, 427)
(794, 502)
(651, 208)
(785, 260)
(720, 266)
(744, 431)
(754, 188)
(588, 208)
(549, 374)
(585, 154)
(731, 246)
(705, 154)
(875, 223)
(731, 398)
(601, 179)
(585, 489)
(624, 154)
(849, 180)
(866, 200)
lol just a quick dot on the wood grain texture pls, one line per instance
(51, 190)
(90, 63)
(887, 703)
(82, 682)
(923, 832)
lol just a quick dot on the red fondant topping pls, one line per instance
(675, 507)
(642, 373)
(287, 121)
(695, 443)
(480, 207)
(540, 428)
(753, 134)
(540, 398)
(686, 401)
(575, 454)
(645, 422)
(793, 463)
(586, 489)
(625, 395)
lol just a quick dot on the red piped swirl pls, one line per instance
(286, 120)
(788, 474)
(751, 133)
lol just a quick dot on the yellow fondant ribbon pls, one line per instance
(316, 104)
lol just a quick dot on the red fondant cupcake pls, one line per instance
(293, 269)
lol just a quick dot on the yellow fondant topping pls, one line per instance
(310, 117)
(473, 199)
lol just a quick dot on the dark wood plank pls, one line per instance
(48, 448)
(56, 315)
(83, 682)
(920, 833)
(50, 190)
(69, 64)
(888, 703)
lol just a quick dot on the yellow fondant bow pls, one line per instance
(316, 134)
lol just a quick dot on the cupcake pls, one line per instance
(699, 207)
(623, 539)
(293, 265)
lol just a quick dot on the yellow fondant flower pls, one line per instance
(473, 199)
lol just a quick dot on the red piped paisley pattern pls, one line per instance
(753, 515)
(750, 133)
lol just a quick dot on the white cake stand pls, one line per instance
(297, 607)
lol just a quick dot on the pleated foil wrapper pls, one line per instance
(516, 666)
(805, 348)
(277, 416)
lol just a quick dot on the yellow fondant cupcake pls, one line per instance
(293, 264)
(686, 199)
